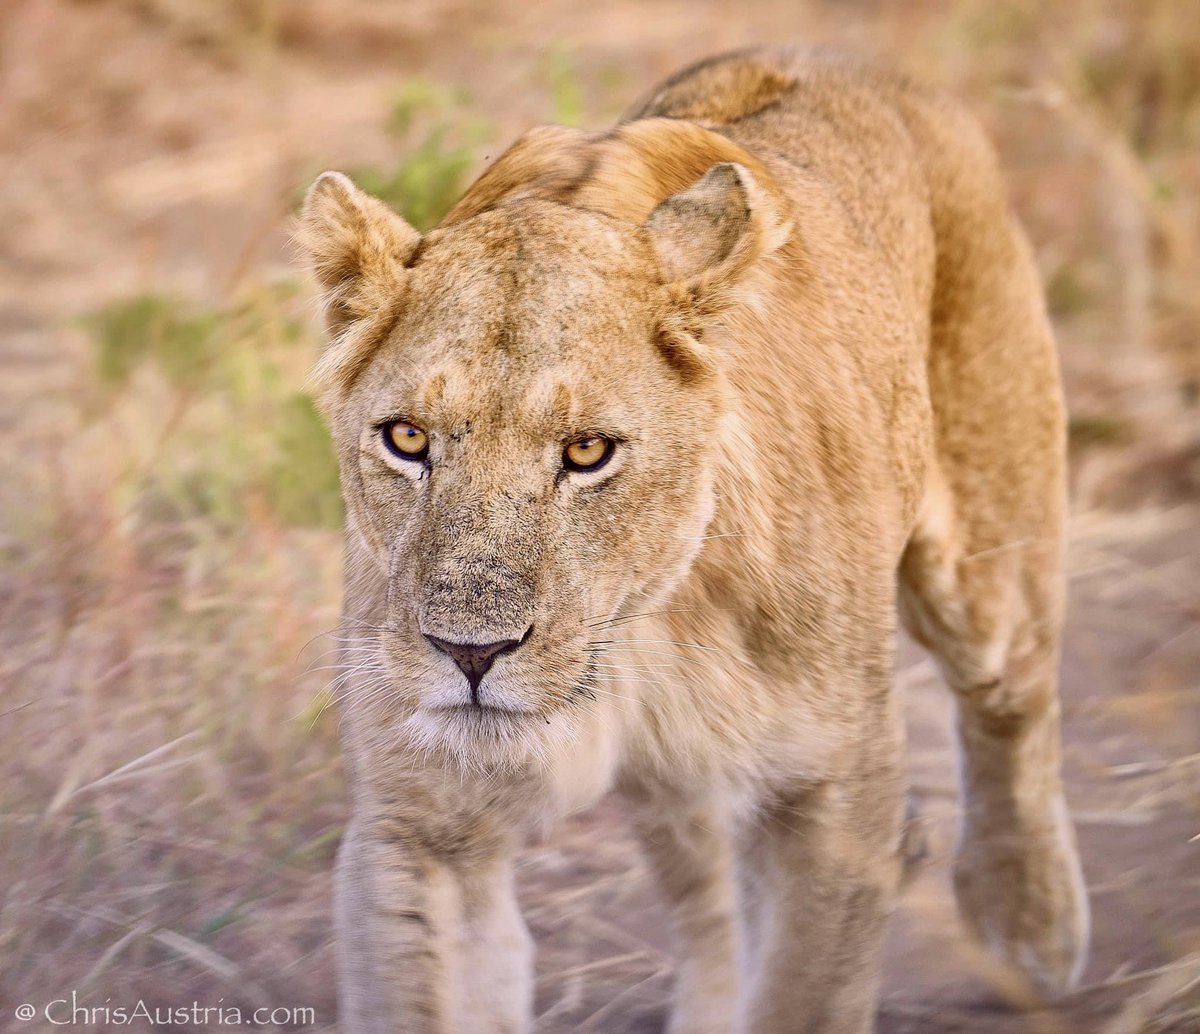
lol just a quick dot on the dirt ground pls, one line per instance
(160, 145)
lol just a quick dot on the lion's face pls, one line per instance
(524, 458)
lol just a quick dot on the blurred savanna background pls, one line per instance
(171, 796)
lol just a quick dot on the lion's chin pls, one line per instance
(475, 737)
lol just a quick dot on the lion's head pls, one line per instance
(528, 410)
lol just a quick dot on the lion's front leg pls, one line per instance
(429, 942)
(690, 848)
(825, 867)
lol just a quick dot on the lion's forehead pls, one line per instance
(526, 305)
(530, 270)
(525, 358)
(538, 323)
(511, 397)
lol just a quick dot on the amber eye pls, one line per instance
(588, 454)
(405, 440)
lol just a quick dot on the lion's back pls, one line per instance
(919, 181)
(897, 153)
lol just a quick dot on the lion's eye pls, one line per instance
(405, 440)
(586, 454)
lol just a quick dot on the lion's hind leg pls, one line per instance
(981, 581)
(990, 612)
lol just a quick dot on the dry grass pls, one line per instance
(170, 790)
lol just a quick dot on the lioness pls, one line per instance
(643, 448)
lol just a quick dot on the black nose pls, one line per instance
(474, 659)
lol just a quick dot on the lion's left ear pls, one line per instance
(358, 249)
(707, 237)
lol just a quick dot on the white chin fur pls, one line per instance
(477, 739)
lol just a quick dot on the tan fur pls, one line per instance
(791, 287)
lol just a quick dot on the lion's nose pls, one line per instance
(474, 659)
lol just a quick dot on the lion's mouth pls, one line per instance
(477, 709)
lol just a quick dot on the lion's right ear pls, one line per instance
(357, 247)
